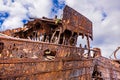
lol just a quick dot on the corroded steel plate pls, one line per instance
(74, 21)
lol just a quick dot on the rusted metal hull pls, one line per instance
(47, 70)
(57, 70)
(16, 63)
(22, 59)
(48, 51)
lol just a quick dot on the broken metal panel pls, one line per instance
(52, 33)
(74, 21)
(15, 48)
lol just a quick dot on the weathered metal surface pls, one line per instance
(47, 70)
(109, 69)
(45, 31)
(76, 22)
(54, 57)
(22, 59)
(22, 48)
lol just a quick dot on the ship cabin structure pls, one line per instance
(47, 49)
(63, 31)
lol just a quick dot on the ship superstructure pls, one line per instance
(45, 49)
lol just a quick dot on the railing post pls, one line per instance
(88, 45)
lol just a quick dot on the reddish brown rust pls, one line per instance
(74, 21)
(45, 49)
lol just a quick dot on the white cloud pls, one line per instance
(106, 32)
(12, 22)
(39, 7)
(21, 9)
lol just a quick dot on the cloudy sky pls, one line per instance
(105, 15)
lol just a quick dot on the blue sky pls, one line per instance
(105, 15)
(3, 16)
(57, 5)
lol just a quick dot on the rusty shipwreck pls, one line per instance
(45, 49)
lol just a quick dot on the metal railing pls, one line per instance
(22, 48)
